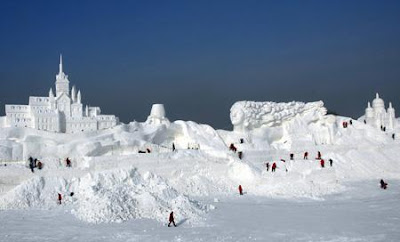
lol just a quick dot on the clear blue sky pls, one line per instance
(199, 57)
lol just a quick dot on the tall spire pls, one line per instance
(60, 65)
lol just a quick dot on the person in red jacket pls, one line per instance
(273, 167)
(59, 198)
(240, 190)
(322, 163)
(171, 219)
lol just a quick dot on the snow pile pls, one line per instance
(108, 196)
(122, 195)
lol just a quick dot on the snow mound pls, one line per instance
(108, 196)
(122, 195)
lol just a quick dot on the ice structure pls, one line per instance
(377, 116)
(157, 115)
(63, 112)
(277, 121)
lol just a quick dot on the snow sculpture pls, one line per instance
(157, 115)
(377, 116)
(62, 112)
(276, 120)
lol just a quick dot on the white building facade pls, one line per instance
(62, 112)
(379, 117)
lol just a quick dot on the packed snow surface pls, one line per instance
(132, 172)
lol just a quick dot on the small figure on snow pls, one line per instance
(232, 148)
(39, 165)
(59, 198)
(322, 163)
(351, 122)
(319, 156)
(31, 165)
(330, 162)
(306, 155)
(383, 184)
(291, 156)
(393, 136)
(240, 154)
(240, 190)
(267, 165)
(68, 162)
(273, 167)
(171, 219)
(173, 147)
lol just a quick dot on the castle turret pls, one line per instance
(391, 117)
(62, 82)
(369, 114)
(79, 97)
(73, 94)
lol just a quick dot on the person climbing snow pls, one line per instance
(31, 166)
(322, 163)
(393, 136)
(240, 190)
(267, 165)
(171, 219)
(383, 184)
(59, 198)
(273, 167)
(330, 162)
(319, 156)
(68, 162)
(291, 156)
(306, 155)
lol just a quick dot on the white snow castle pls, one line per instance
(377, 116)
(62, 112)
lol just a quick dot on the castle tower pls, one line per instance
(379, 108)
(391, 117)
(62, 82)
(369, 114)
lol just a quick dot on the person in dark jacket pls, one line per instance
(306, 155)
(240, 190)
(31, 165)
(319, 157)
(59, 198)
(330, 162)
(383, 184)
(291, 156)
(68, 161)
(171, 219)
(173, 147)
(267, 165)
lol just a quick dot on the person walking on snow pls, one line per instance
(171, 219)
(330, 162)
(322, 163)
(383, 184)
(240, 190)
(267, 165)
(173, 147)
(273, 167)
(319, 156)
(291, 156)
(306, 155)
(59, 198)
(31, 166)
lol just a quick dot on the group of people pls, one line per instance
(305, 157)
(346, 124)
(34, 163)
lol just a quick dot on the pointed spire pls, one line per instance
(369, 105)
(377, 95)
(60, 65)
(79, 97)
(390, 105)
(73, 94)
(51, 94)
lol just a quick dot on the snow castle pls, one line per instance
(377, 116)
(62, 112)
